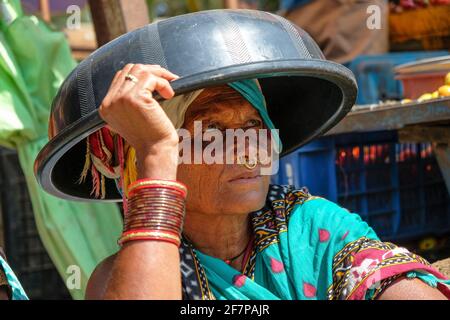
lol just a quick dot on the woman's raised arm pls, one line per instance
(142, 269)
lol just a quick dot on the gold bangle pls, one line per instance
(159, 234)
(161, 183)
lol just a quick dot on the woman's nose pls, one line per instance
(246, 146)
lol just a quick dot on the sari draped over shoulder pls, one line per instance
(17, 292)
(305, 248)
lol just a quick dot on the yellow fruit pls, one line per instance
(447, 79)
(427, 244)
(405, 101)
(435, 95)
(444, 91)
(425, 96)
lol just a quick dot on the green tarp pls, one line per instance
(34, 60)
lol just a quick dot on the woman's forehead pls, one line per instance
(219, 102)
(216, 109)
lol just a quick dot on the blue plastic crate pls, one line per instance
(396, 187)
(312, 166)
(375, 74)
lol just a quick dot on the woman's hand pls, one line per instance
(130, 110)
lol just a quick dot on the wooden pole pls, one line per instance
(44, 7)
(193, 5)
(113, 18)
(231, 4)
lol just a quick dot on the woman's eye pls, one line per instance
(212, 126)
(254, 123)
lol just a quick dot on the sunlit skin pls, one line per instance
(217, 208)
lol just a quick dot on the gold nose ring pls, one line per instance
(249, 164)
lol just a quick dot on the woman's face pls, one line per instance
(223, 188)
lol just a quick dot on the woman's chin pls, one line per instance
(245, 199)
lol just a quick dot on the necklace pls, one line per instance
(247, 247)
(230, 260)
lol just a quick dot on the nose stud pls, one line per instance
(250, 164)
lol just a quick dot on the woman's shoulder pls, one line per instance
(317, 219)
(306, 208)
(96, 285)
(294, 199)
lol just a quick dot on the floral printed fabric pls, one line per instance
(308, 248)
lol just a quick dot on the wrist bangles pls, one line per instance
(156, 211)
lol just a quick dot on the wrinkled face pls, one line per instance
(223, 188)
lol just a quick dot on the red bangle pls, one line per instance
(144, 187)
(157, 183)
(156, 211)
(147, 234)
(137, 238)
(134, 231)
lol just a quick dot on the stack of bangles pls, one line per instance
(156, 211)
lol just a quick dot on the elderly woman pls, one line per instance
(221, 231)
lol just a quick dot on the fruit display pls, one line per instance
(425, 79)
(442, 91)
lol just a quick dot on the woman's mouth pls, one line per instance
(250, 177)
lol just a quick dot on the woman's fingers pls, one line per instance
(148, 78)
(113, 90)
(128, 84)
(142, 73)
(150, 83)
(117, 83)
(128, 99)
(166, 74)
(157, 70)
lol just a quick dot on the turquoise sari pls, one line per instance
(17, 292)
(305, 248)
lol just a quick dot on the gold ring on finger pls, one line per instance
(131, 78)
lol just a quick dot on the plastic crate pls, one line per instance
(375, 74)
(396, 187)
(23, 247)
(311, 166)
